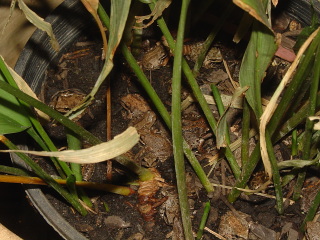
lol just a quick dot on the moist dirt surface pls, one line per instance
(156, 215)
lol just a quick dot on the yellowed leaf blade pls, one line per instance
(316, 124)
(92, 7)
(256, 9)
(98, 153)
(268, 112)
(12, 6)
(39, 23)
(160, 6)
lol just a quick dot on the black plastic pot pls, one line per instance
(301, 10)
(69, 21)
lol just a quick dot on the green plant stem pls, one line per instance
(51, 112)
(74, 143)
(204, 218)
(275, 174)
(143, 80)
(247, 171)
(46, 177)
(294, 87)
(312, 211)
(46, 144)
(198, 94)
(177, 127)
(221, 110)
(211, 37)
(14, 171)
(307, 142)
(294, 146)
(295, 120)
(245, 132)
(121, 190)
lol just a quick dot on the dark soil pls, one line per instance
(80, 72)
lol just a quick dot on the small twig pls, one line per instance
(234, 83)
(108, 120)
(291, 202)
(92, 185)
(215, 234)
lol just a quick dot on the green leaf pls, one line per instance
(9, 105)
(8, 125)
(39, 23)
(221, 133)
(255, 8)
(260, 50)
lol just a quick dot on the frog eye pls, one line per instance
(149, 66)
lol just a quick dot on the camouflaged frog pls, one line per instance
(155, 142)
(155, 58)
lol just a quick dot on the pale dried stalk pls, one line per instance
(268, 112)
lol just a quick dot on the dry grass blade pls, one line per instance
(160, 6)
(268, 112)
(98, 153)
(12, 6)
(39, 23)
(316, 119)
(92, 7)
(255, 9)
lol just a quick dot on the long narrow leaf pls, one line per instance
(272, 104)
(9, 125)
(39, 23)
(256, 9)
(257, 57)
(98, 153)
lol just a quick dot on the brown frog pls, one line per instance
(155, 142)
(194, 129)
(155, 58)
(192, 51)
(63, 101)
(158, 56)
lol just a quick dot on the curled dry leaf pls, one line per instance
(316, 119)
(147, 201)
(12, 6)
(160, 6)
(98, 153)
(39, 23)
(92, 7)
(255, 9)
(271, 107)
(116, 222)
(275, 2)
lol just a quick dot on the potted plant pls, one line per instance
(276, 117)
